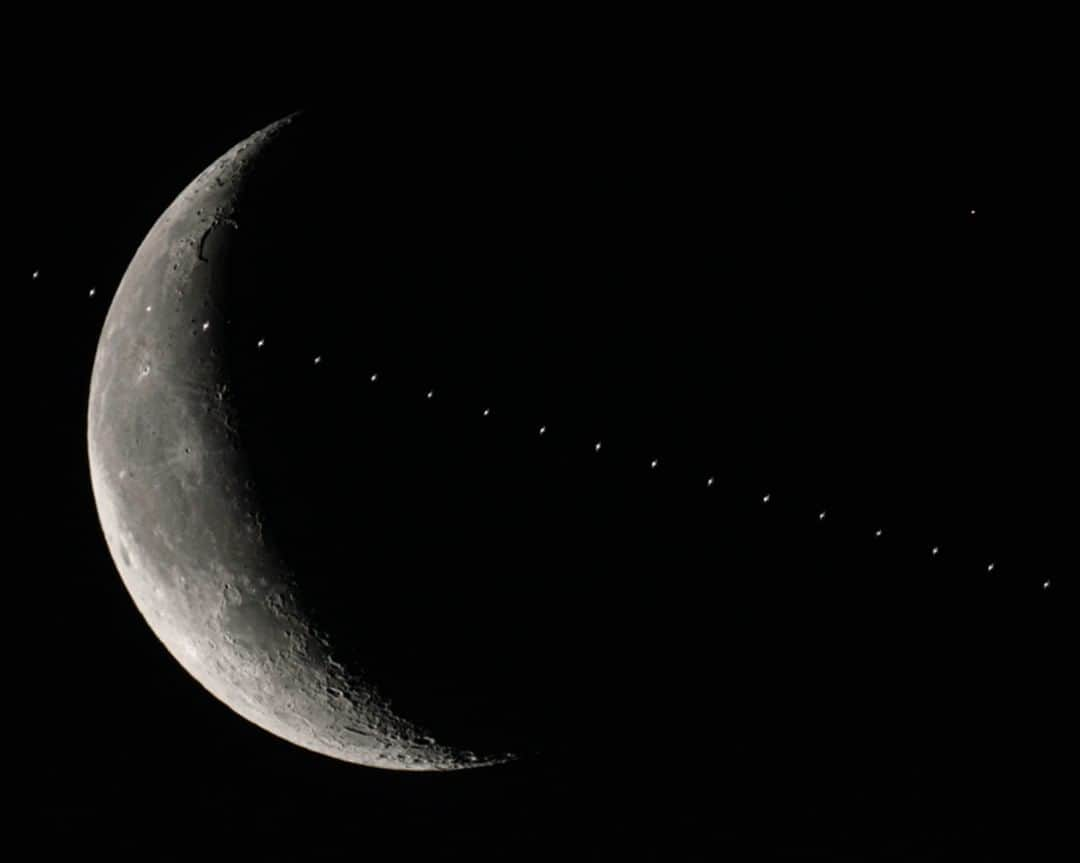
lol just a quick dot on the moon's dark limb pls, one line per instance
(179, 499)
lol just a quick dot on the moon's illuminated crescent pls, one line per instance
(181, 514)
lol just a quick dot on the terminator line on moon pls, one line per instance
(182, 517)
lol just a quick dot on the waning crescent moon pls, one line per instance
(180, 512)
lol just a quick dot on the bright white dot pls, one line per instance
(205, 325)
(36, 273)
(260, 343)
(878, 532)
(653, 463)
(487, 412)
(934, 550)
(318, 360)
(374, 378)
(93, 291)
(973, 212)
(597, 447)
(821, 516)
(543, 429)
(765, 498)
(989, 567)
(1046, 584)
(431, 394)
(709, 482)
(150, 308)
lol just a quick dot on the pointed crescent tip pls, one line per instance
(283, 122)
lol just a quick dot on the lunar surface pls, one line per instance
(183, 513)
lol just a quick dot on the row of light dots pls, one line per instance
(709, 482)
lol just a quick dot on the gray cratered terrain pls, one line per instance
(181, 513)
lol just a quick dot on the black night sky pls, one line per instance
(826, 623)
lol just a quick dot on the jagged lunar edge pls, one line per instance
(180, 514)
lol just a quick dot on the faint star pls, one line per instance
(35, 274)
(1046, 584)
(149, 308)
(93, 291)
(821, 516)
(973, 212)
(318, 360)
(205, 326)
(654, 463)
(989, 567)
(877, 532)
(374, 378)
(260, 343)
(709, 482)
(543, 429)
(486, 412)
(431, 394)
(934, 550)
(765, 498)
(597, 447)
